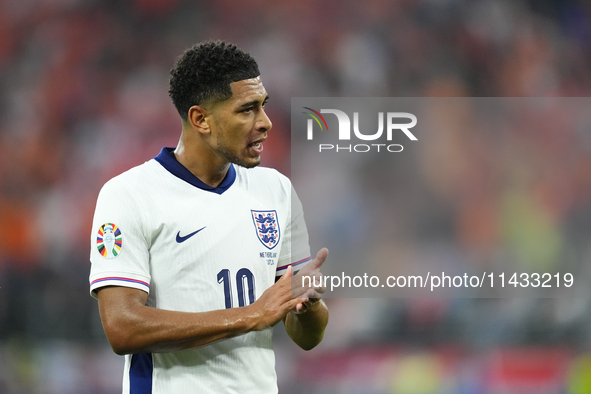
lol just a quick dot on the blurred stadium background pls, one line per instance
(83, 97)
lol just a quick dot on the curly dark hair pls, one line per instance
(204, 72)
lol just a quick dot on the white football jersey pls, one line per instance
(195, 248)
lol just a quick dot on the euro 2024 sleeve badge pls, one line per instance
(109, 240)
(267, 227)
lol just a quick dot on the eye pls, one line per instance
(247, 110)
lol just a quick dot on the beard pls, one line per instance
(232, 158)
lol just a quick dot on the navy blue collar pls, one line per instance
(168, 160)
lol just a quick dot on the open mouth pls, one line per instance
(256, 147)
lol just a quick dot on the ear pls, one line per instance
(197, 119)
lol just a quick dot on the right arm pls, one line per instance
(133, 327)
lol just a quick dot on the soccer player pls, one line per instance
(194, 252)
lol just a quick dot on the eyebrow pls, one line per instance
(253, 102)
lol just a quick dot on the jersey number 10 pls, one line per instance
(244, 284)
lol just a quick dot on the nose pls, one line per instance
(263, 123)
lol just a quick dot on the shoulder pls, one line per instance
(264, 181)
(136, 174)
(131, 183)
(263, 175)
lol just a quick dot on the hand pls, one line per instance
(276, 302)
(311, 270)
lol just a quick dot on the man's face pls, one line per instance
(239, 125)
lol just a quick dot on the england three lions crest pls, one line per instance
(267, 227)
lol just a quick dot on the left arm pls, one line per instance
(306, 323)
(306, 328)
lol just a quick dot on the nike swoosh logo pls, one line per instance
(180, 239)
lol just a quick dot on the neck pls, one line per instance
(200, 160)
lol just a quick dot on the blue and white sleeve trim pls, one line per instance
(295, 266)
(118, 279)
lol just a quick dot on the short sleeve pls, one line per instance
(295, 248)
(118, 245)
